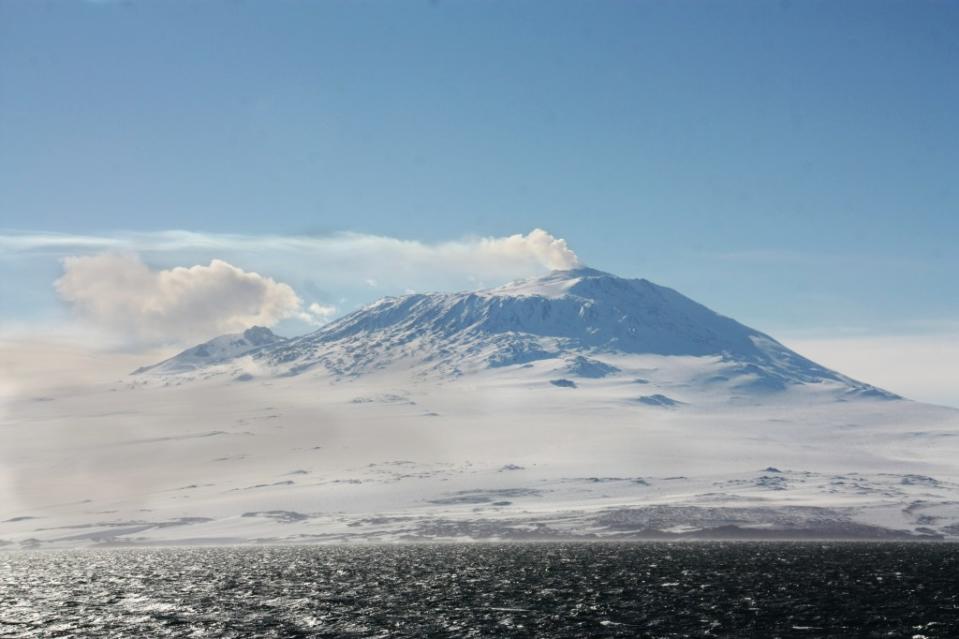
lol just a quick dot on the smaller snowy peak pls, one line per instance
(216, 351)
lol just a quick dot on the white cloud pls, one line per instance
(923, 367)
(552, 252)
(121, 293)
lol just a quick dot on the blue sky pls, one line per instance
(791, 164)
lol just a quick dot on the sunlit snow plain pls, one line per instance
(228, 455)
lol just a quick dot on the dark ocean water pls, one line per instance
(522, 590)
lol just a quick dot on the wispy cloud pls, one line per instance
(57, 242)
(538, 247)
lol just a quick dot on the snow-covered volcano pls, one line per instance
(575, 405)
(582, 317)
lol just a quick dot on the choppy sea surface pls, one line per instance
(481, 590)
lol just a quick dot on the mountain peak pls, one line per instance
(581, 271)
(552, 285)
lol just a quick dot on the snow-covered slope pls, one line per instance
(218, 350)
(579, 316)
